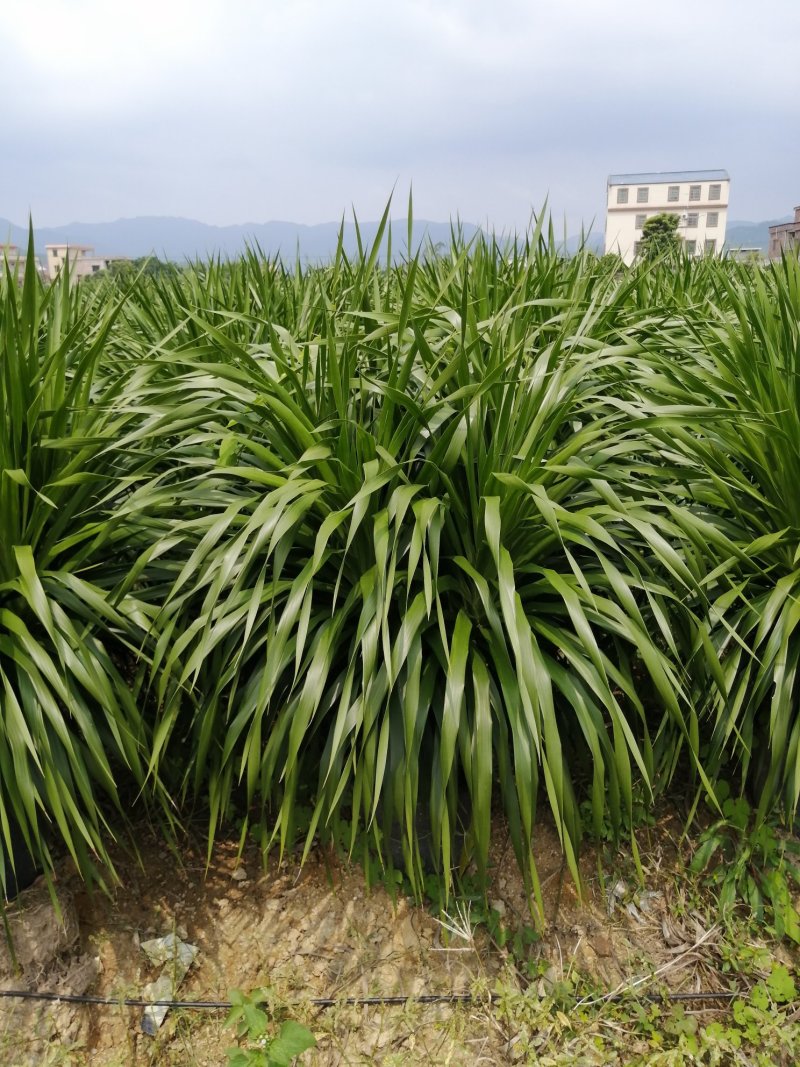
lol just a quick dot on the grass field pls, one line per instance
(315, 550)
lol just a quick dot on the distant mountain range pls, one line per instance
(751, 234)
(181, 239)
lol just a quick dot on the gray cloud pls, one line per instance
(297, 110)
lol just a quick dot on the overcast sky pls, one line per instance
(252, 110)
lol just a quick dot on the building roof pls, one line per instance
(656, 176)
(68, 244)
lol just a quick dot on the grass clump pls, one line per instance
(396, 535)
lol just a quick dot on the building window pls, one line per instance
(673, 193)
(54, 252)
(95, 268)
(714, 192)
(694, 192)
(622, 196)
(692, 219)
(691, 248)
(712, 220)
(710, 247)
(640, 220)
(642, 195)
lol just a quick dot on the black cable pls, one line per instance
(350, 1002)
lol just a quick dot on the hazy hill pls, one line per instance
(751, 234)
(593, 242)
(181, 239)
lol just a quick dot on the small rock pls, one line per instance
(499, 906)
(602, 945)
(617, 893)
(407, 935)
(239, 875)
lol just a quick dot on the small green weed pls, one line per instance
(751, 863)
(571, 1025)
(517, 938)
(266, 1046)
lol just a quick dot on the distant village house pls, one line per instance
(785, 237)
(81, 258)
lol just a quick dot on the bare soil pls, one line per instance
(318, 931)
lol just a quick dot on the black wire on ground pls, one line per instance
(350, 1002)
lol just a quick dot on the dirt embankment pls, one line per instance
(318, 931)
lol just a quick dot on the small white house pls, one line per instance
(698, 197)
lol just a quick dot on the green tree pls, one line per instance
(659, 236)
(142, 264)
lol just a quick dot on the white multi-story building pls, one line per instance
(698, 197)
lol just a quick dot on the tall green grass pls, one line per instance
(71, 728)
(725, 383)
(446, 534)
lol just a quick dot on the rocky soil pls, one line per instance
(318, 931)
